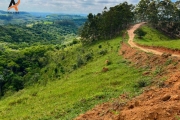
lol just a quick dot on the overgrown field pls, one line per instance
(74, 82)
(153, 37)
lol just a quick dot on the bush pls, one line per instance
(74, 67)
(88, 56)
(80, 62)
(103, 52)
(143, 82)
(75, 41)
(140, 32)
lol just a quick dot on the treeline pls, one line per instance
(107, 24)
(162, 14)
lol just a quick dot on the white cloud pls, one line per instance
(65, 6)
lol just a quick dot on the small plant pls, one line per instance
(178, 117)
(75, 41)
(80, 62)
(168, 62)
(161, 84)
(62, 70)
(103, 52)
(88, 56)
(74, 67)
(143, 82)
(107, 62)
(34, 93)
(158, 70)
(100, 46)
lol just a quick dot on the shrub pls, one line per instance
(74, 67)
(88, 56)
(100, 46)
(103, 52)
(143, 82)
(140, 32)
(80, 62)
(75, 41)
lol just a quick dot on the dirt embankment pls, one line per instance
(161, 101)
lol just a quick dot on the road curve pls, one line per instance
(132, 44)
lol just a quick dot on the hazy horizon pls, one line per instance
(65, 6)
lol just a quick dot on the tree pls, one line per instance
(142, 9)
(162, 14)
(107, 24)
(2, 81)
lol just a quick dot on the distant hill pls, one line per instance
(26, 17)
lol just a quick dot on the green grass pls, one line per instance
(78, 90)
(158, 39)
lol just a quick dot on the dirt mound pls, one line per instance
(158, 102)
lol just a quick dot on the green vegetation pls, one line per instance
(107, 24)
(41, 33)
(72, 82)
(156, 38)
(22, 17)
(26, 50)
(35, 17)
(46, 73)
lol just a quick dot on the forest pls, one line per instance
(25, 50)
(163, 15)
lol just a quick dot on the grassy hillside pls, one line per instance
(79, 87)
(153, 37)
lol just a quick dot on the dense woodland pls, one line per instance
(26, 51)
(107, 24)
(42, 32)
(162, 14)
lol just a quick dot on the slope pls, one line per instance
(84, 84)
(158, 102)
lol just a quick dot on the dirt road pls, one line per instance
(132, 44)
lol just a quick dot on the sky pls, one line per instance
(65, 6)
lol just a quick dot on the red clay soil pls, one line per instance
(161, 101)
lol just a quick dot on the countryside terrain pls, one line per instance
(121, 64)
